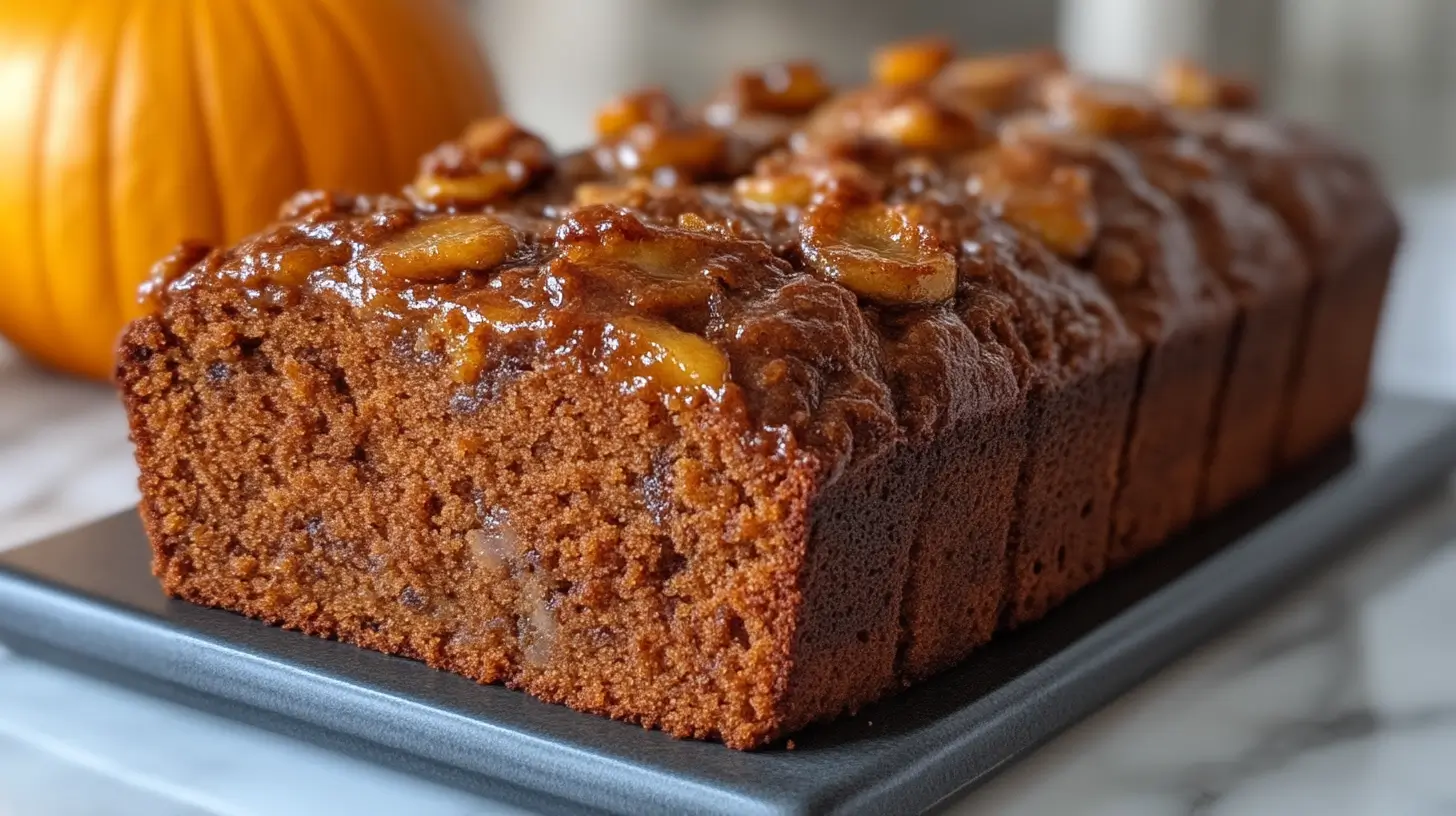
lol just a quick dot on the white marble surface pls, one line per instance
(1340, 700)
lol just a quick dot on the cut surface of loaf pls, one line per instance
(749, 415)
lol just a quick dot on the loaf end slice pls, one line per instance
(543, 523)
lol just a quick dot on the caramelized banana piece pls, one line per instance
(1108, 109)
(912, 62)
(1186, 84)
(441, 247)
(1050, 200)
(492, 161)
(690, 148)
(644, 133)
(786, 89)
(648, 106)
(655, 270)
(604, 236)
(878, 252)
(647, 352)
(920, 123)
(906, 117)
(996, 83)
(291, 266)
(629, 193)
(778, 183)
(776, 191)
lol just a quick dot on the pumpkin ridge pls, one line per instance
(21, 310)
(358, 62)
(288, 114)
(199, 107)
(83, 312)
(344, 71)
(123, 275)
(435, 68)
(106, 166)
(45, 289)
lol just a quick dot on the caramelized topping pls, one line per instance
(888, 120)
(775, 192)
(910, 63)
(650, 106)
(596, 235)
(644, 134)
(169, 268)
(653, 352)
(623, 194)
(784, 183)
(1050, 200)
(292, 264)
(880, 253)
(918, 123)
(787, 89)
(693, 149)
(995, 83)
(783, 247)
(1104, 109)
(492, 161)
(650, 268)
(442, 247)
(759, 110)
(1186, 84)
(314, 205)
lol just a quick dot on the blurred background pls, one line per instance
(1380, 72)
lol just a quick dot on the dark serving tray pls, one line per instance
(86, 599)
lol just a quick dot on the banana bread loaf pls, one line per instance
(747, 415)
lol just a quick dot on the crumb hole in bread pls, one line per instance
(670, 563)
(138, 354)
(737, 630)
(341, 384)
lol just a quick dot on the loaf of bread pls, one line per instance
(752, 413)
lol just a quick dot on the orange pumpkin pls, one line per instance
(128, 125)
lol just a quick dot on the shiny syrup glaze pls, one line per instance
(824, 260)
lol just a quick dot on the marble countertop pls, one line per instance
(1339, 700)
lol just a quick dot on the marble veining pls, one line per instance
(1337, 701)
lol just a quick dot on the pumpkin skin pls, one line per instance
(129, 125)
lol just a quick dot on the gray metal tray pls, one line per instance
(86, 599)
